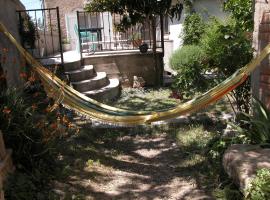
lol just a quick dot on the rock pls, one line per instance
(138, 82)
(242, 161)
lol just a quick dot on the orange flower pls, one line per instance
(4, 59)
(2, 76)
(23, 75)
(32, 78)
(6, 110)
(34, 107)
(69, 125)
(48, 109)
(36, 94)
(65, 120)
(54, 125)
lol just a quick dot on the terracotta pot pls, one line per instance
(137, 42)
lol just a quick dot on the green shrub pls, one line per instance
(194, 27)
(255, 127)
(226, 46)
(259, 188)
(227, 50)
(242, 11)
(187, 61)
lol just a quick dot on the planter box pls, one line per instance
(66, 47)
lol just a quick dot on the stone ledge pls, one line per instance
(241, 162)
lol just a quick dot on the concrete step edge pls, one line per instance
(113, 84)
(99, 76)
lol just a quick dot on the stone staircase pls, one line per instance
(93, 84)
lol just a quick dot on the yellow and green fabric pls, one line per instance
(60, 91)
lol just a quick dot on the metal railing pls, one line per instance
(40, 33)
(97, 32)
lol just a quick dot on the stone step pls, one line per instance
(72, 66)
(111, 91)
(87, 72)
(97, 82)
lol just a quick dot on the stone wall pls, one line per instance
(261, 37)
(65, 7)
(10, 59)
(127, 65)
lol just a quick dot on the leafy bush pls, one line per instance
(23, 131)
(31, 131)
(187, 61)
(255, 127)
(194, 27)
(227, 50)
(226, 46)
(242, 11)
(259, 188)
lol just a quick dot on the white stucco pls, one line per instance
(207, 8)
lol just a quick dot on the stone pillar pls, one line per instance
(261, 37)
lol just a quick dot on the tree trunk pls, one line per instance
(154, 48)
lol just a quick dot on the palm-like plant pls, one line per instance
(257, 126)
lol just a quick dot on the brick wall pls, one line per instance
(261, 37)
(65, 7)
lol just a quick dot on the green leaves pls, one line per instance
(259, 188)
(242, 11)
(187, 62)
(256, 127)
(194, 28)
(136, 10)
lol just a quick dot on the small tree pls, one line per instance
(136, 11)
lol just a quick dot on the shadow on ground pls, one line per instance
(133, 163)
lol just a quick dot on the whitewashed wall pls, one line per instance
(207, 8)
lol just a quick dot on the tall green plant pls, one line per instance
(228, 49)
(194, 27)
(28, 31)
(242, 12)
(256, 127)
(187, 61)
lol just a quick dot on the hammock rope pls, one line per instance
(108, 114)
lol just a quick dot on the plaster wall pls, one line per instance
(10, 59)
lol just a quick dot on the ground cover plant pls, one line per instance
(145, 99)
(259, 188)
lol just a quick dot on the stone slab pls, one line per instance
(242, 161)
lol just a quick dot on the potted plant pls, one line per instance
(66, 45)
(143, 47)
(136, 39)
(28, 32)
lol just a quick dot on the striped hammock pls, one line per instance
(66, 95)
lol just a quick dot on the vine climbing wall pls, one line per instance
(261, 37)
